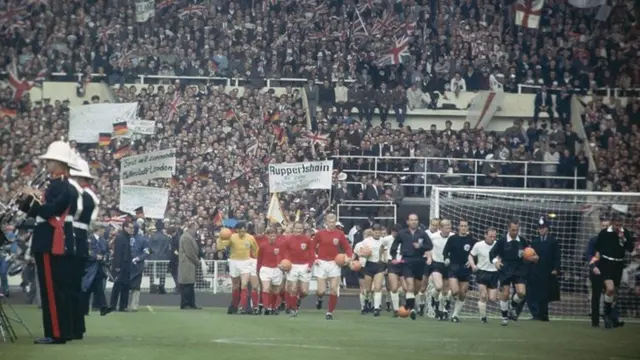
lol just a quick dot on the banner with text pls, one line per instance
(145, 10)
(141, 127)
(86, 122)
(153, 200)
(159, 164)
(300, 176)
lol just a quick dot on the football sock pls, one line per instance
(608, 304)
(333, 302)
(395, 300)
(274, 301)
(482, 308)
(422, 298)
(363, 301)
(292, 302)
(235, 298)
(244, 298)
(411, 300)
(266, 300)
(254, 298)
(377, 300)
(457, 305)
(504, 308)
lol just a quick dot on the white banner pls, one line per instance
(145, 10)
(159, 164)
(86, 122)
(153, 200)
(300, 176)
(585, 4)
(142, 127)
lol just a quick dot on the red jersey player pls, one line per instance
(269, 257)
(329, 241)
(299, 249)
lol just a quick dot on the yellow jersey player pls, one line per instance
(241, 245)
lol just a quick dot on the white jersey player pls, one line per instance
(439, 270)
(434, 229)
(373, 250)
(394, 279)
(486, 272)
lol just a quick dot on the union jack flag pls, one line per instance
(322, 34)
(358, 31)
(407, 28)
(175, 104)
(41, 76)
(19, 86)
(369, 5)
(395, 54)
(12, 14)
(103, 33)
(14, 27)
(315, 138)
(164, 4)
(320, 10)
(195, 10)
(386, 20)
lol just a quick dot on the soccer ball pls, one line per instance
(285, 264)
(225, 234)
(529, 253)
(403, 312)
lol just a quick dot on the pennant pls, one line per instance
(104, 139)
(275, 213)
(120, 128)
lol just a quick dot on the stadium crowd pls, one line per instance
(225, 138)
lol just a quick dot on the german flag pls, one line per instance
(121, 152)
(175, 180)
(203, 175)
(120, 128)
(275, 116)
(8, 112)
(104, 139)
(217, 218)
(94, 164)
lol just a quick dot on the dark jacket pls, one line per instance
(122, 260)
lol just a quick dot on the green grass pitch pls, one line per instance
(167, 333)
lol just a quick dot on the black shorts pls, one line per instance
(373, 268)
(413, 269)
(440, 268)
(459, 272)
(487, 278)
(611, 270)
(360, 274)
(511, 276)
(428, 269)
(395, 269)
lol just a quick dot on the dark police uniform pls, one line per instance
(81, 231)
(160, 246)
(121, 271)
(541, 284)
(48, 249)
(510, 251)
(140, 250)
(457, 252)
(413, 261)
(95, 275)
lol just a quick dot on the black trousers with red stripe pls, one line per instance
(52, 279)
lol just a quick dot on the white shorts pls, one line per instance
(272, 275)
(239, 267)
(254, 267)
(299, 273)
(326, 269)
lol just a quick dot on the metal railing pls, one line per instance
(275, 82)
(425, 172)
(608, 92)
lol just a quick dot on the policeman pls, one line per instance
(139, 252)
(81, 222)
(48, 242)
(160, 245)
(95, 275)
(543, 282)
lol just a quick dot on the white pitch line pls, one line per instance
(273, 344)
(150, 309)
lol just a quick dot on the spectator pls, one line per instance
(341, 96)
(543, 103)
(550, 170)
(416, 99)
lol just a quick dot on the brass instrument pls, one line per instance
(14, 212)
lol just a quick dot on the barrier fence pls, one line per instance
(275, 82)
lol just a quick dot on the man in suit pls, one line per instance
(121, 267)
(543, 281)
(187, 267)
(313, 98)
(543, 103)
(95, 275)
(372, 192)
(160, 245)
(173, 260)
(139, 252)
